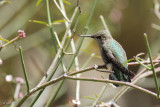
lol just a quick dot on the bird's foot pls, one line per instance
(96, 68)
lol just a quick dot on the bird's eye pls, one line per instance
(98, 37)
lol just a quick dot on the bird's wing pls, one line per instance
(110, 56)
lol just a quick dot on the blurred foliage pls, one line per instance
(127, 21)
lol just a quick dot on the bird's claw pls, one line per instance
(95, 66)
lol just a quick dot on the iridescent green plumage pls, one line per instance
(113, 53)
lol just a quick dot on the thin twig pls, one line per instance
(67, 45)
(50, 25)
(55, 47)
(100, 95)
(144, 62)
(17, 90)
(74, 50)
(149, 73)
(105, 25)
(52, 65)
(54, 62)
(65, 35)
(58, 41)
(113, 82)
(24, 69)
(79, 45)
(11, 41)
(152, 66)
(88, 60)
(64, 15)
(62, 9)
(137, 59)
(156, 8)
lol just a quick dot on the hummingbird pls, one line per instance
(113, 55)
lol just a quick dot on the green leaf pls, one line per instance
(96, 95)
(66, 2)
(58, 21)
(5, 40)
(38, 2)
(102, 77)
(129, 60)
(68, 37)
(40, 22)
(132, 59)
(97, 56)
(86, 51)
(91, 98)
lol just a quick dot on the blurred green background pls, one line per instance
(127, 20)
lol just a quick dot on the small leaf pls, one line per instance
(58, 21)
(102, 76)
(129, 60)
(5, 40)
(96, 95)
(86, 51)
(91, 98)
(97, 56)
(38, 2)
(66, 2)
(40, 22)
(68, 37)
(137, 56)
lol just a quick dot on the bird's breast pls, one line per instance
(103, 55)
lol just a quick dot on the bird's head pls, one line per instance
(99, 36)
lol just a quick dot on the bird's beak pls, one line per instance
(87, 36)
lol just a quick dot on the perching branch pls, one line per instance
(69, 76)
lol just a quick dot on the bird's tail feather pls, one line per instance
(119, 76)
